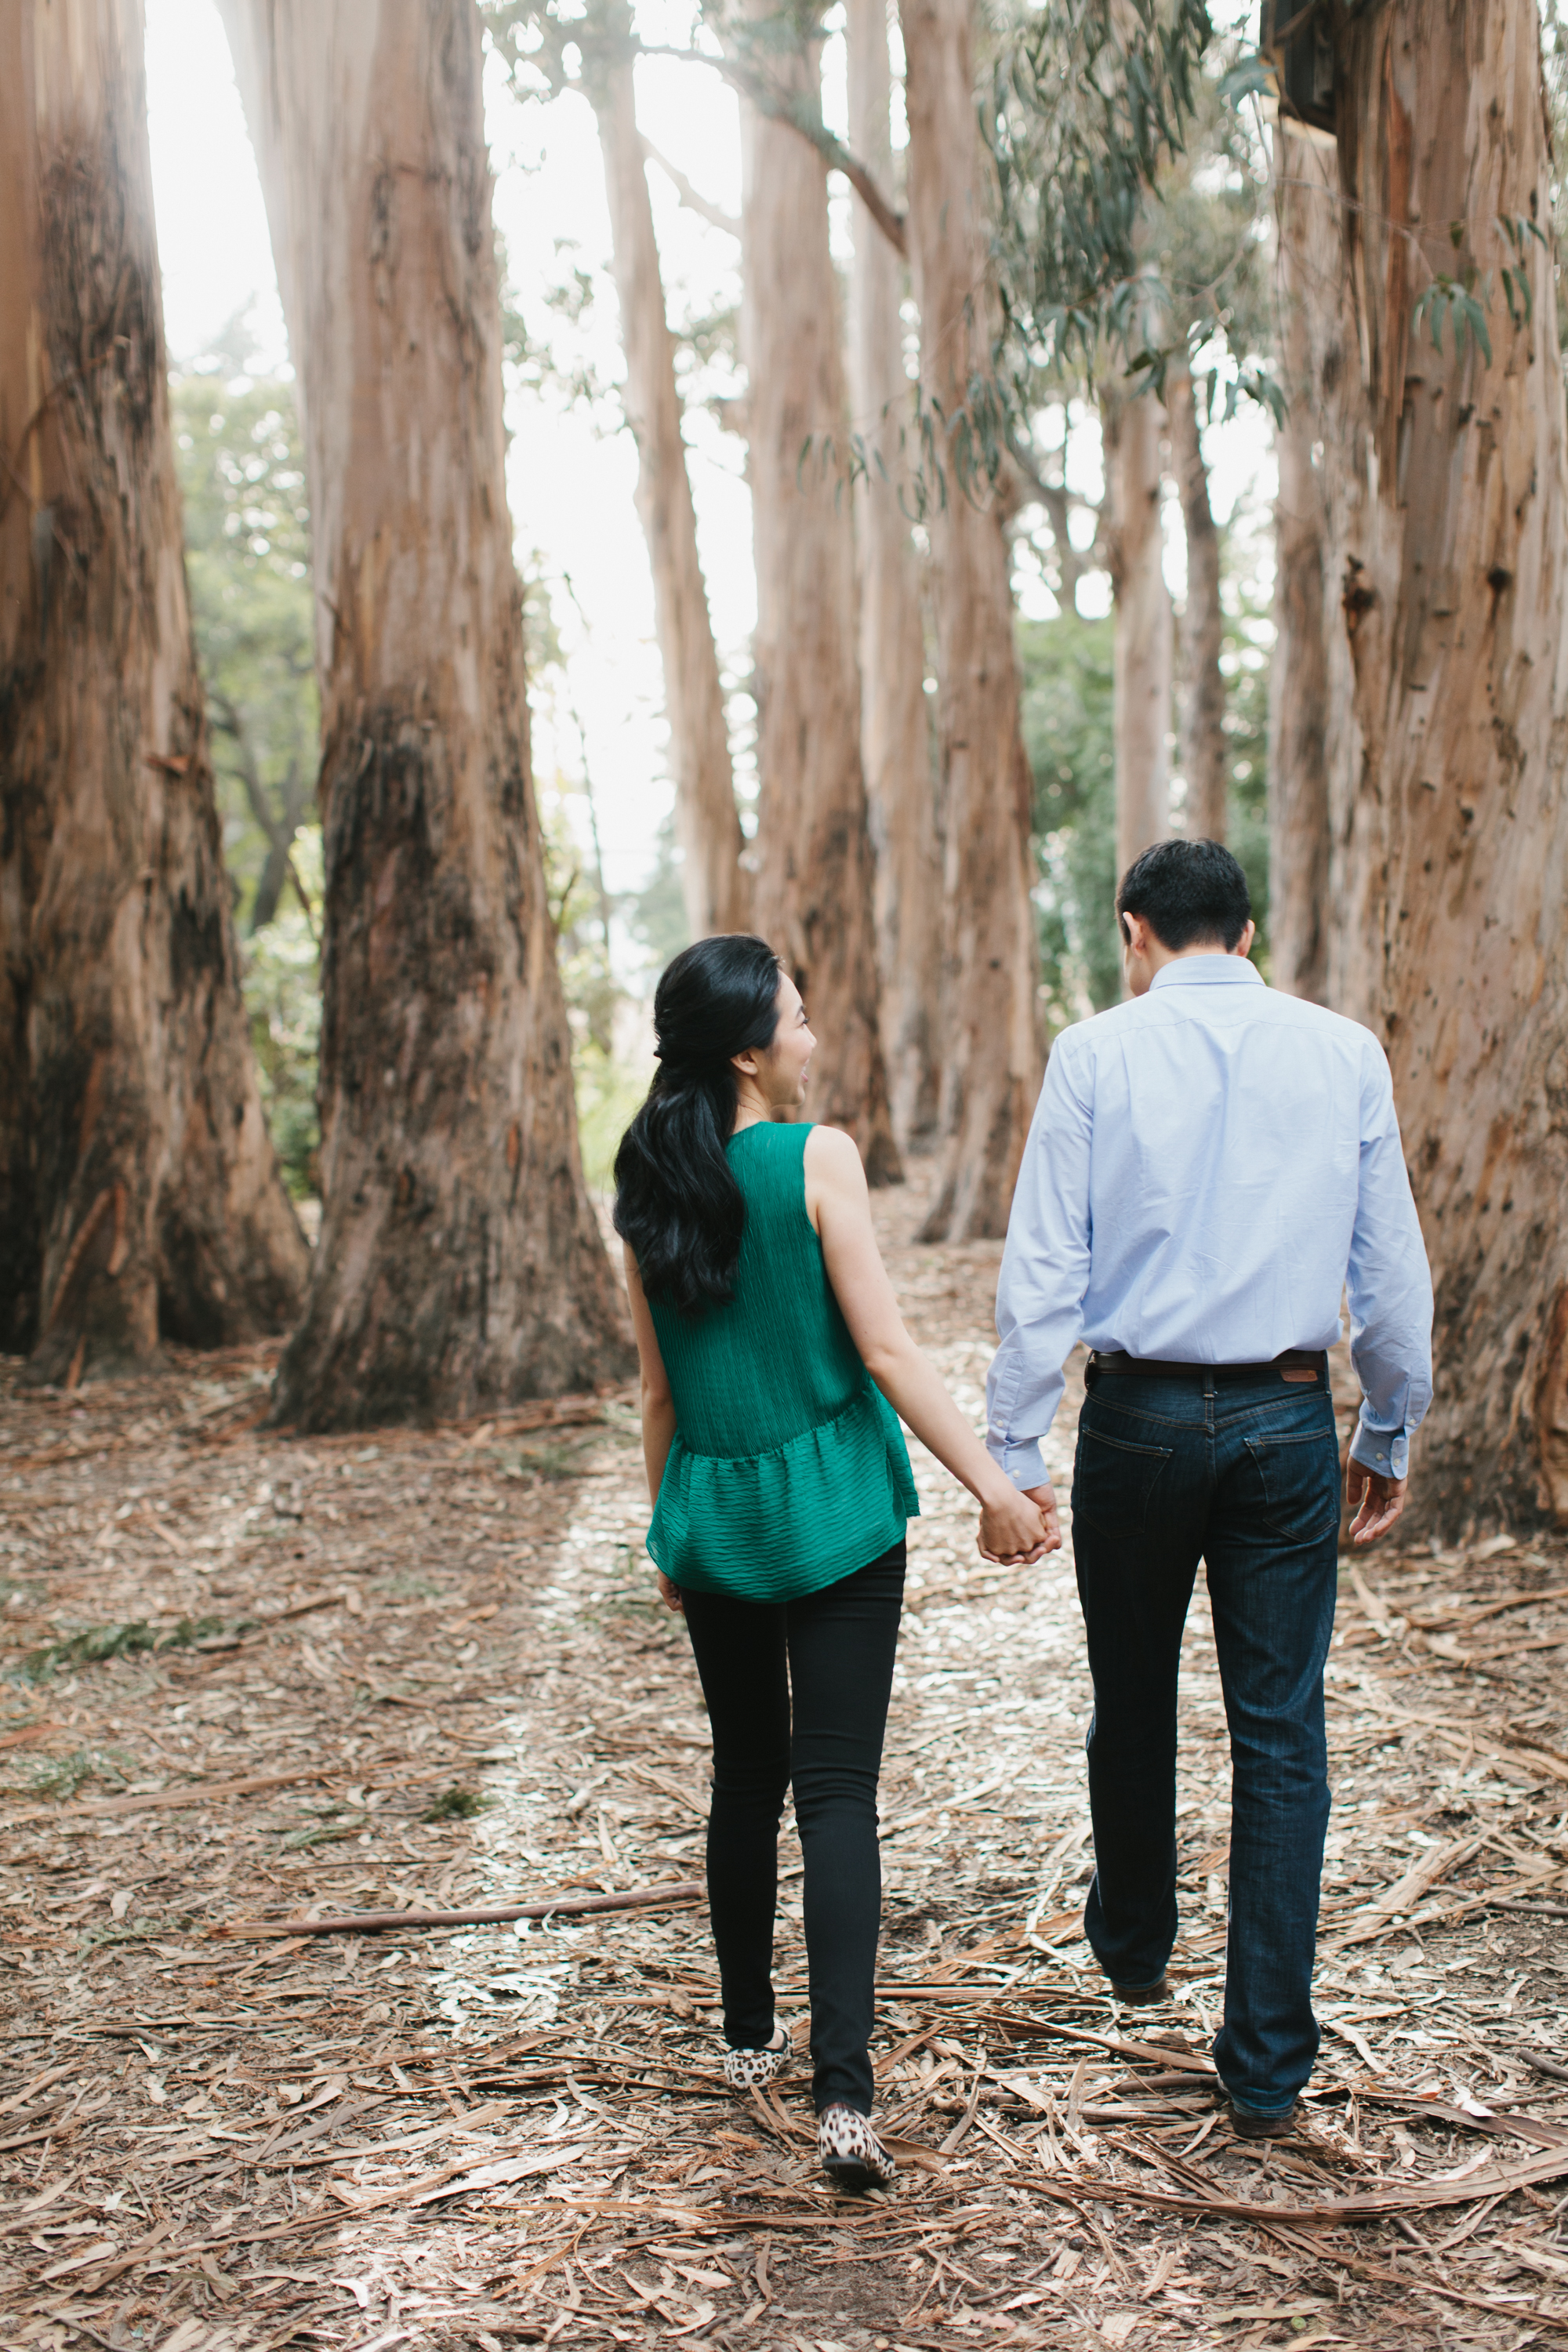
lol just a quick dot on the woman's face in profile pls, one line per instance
(780, 1072)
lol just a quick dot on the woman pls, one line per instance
(773, 1355)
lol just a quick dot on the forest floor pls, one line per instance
(250, 1675)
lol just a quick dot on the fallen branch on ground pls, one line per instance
(484, 1915)
(1488, 2180)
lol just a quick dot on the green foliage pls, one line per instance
(283, 999)
(1244, 658)
(57, 1778)
(247, 555)
(657, 913)
(97, 1643)
(1065, 670)
(1085, 107)
(457, 1805)
(1068, 705)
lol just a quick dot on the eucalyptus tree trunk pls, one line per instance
(1449, 503)
(1311, 284)
(1140, 694)
(1203, 762)
(139, 1190)
(813, 889)
(991, 1043)
(895, 729)
(460, 1263)
(715, 883)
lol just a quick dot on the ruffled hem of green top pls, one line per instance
(794, 1519)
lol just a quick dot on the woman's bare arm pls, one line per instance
(1012, 1527)
(658, 1423)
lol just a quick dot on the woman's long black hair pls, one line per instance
(677, 1205)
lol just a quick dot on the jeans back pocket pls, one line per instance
(1299, 1476)
(1114, 1481)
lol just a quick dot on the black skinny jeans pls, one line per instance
(830, 1654)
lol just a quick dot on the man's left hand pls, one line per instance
(1376, 1500)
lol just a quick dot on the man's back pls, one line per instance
(1208, 1164)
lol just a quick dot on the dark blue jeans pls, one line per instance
(1245, 1477)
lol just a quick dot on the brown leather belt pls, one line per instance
(1295, 1364)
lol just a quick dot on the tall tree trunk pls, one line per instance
(814, 892)
(991, 1043)
(460, 1263)
(1204, 759)
(1143, 648)
(715, 885)
(139, 1190)
(1451, 888)
(1310, 278)
(895, 730)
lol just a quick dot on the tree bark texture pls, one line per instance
(814, 884)
(1311, 274)
(991, 1043)
(715, 885)
(1143, 634)
(895, 726)
(1203, 761)
(139, 1189)
(1450, 886)
(460, 1263)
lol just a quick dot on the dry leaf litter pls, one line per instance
(252, 1677)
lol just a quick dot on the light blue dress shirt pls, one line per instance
(1209, 1166)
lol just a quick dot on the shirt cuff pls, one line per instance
(1022, 1463)
(1383, 1450)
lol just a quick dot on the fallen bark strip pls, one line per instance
(190, 1792)
(1411, 1890)
(1491, 2180)
(484, 1915)
(1502, 2121)
(1157, 2053)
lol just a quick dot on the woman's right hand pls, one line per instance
(1015, 1529)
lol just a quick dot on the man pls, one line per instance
(1209, 1164)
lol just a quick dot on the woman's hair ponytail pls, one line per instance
(677, 1205)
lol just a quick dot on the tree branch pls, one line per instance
(689, 196)
(1058, 502)
(229, 722)
(801, 116)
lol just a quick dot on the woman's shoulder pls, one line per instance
(831, 1152)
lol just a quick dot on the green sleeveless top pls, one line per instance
(789, 1468)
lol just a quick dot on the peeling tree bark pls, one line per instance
(813, 890)
(1450, 502)
(895, 730)
(1310, 282)
(1203, 630)
(991, 1043)
(460, 1263)
(139, 1190)
(714, 884)
(1144, 635)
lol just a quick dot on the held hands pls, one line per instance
(1017, 1529)
(1376, 1500)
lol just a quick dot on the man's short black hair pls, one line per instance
(1187, 892)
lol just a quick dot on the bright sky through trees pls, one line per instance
(571, 473)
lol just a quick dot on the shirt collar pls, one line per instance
(1216, 971)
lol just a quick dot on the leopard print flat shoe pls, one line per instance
(746, 2070)
(850, 2151)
